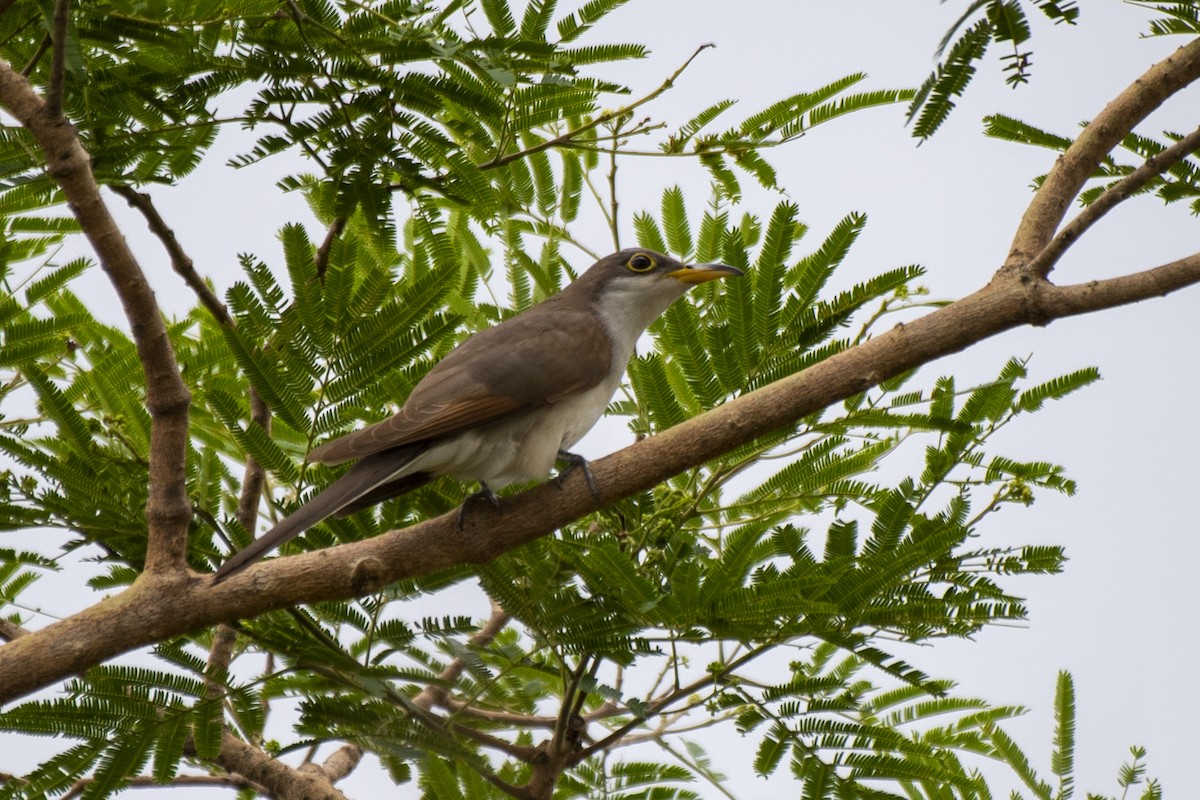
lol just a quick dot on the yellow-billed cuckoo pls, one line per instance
(509, 401)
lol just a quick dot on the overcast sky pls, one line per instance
(1123, 616)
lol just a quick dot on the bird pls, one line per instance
(509, 402)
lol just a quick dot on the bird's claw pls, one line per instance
(485, 493)
(576, 461)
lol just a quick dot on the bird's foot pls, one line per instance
(485, 493)
(575, 461)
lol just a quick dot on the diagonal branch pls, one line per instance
(142, 615)
(181, 262)
(167, 510)
(11, 630)
(321, 259)
(1150, 169)
(436, 694)
(558, 141)
(1097, 140)
(280, 780)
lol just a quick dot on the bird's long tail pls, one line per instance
(362, 479)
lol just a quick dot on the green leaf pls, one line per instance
(1062, 760)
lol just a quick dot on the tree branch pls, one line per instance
(1097, 140)
(10, 630)
(322, 256)
(279, 780)
(1149, 170)
(181, 262)
(141, 616)
(150, 782)
(436, 694)
(167, 399)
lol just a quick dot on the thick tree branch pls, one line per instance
(167, 399)
(342, 762)
(156, 608)
(280, 780)
(1097, 140)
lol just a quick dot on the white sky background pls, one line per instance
(1123, 617)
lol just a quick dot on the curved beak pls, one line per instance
(702, 273)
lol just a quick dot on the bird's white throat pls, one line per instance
(627, 307)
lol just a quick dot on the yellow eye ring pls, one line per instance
(641, 262)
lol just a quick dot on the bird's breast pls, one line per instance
(520, 447)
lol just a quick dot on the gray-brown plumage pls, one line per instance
(507, 402)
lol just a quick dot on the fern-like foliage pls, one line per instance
(486, 119)
(982, 23)
(381, 96)
(1177, 17)
(779, 123)
(1132, 774)
(814, 552)
(1180, 182)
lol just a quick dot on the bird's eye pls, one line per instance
(640, 263)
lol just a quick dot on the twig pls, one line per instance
(322, 257)
(219, 656)
(613, 204)
(657, 706)
(1150, 169)
(564, 712)
(181, 262)
(436, 694)
(149, 781)
(10, 630)
(501, 160)
(42, 48)
(58, 64)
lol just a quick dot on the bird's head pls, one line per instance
(636, 285)
(644, 268)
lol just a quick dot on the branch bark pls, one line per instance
(1098, 139)
(280, 780)
(167, 399)
(153, 610)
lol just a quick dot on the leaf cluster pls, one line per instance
(1179, 182)
(982, 23)
(653, 618)
(710, 557)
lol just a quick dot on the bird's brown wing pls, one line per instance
(539, 357)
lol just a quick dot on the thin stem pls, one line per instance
(501, 160)
(58, 64)
(181, 262)
(657, 706)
